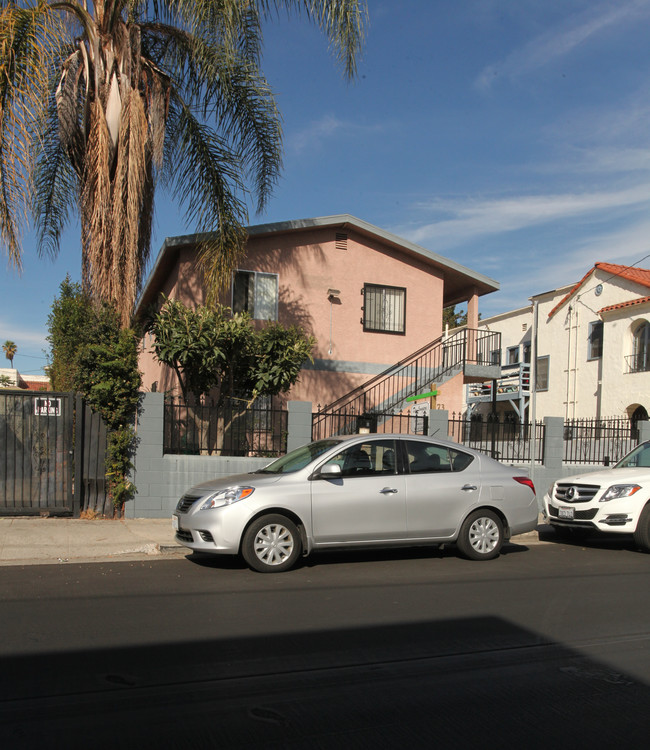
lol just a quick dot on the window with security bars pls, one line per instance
(384, 308)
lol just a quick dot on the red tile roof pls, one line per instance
(629, 303)
(637, 275)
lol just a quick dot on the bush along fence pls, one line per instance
(162, 476)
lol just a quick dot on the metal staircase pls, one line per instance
(436, 362)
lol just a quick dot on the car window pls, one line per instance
(428, 457)
(298, 458)
(460, 460)
(367, 459)
(640, 457)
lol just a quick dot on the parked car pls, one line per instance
(615, 500)
(360, 490)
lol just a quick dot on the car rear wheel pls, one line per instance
(481, 536)
(271, 544)
(642, 533)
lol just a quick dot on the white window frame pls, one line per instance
(258, 303)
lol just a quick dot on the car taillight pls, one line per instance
(527, 481)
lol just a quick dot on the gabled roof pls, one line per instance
(630, 273)
(458, 278)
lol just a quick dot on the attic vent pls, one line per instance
(341, 241)
(524, 326)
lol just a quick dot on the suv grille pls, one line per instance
(580, 515)
(575, 493)
(185, 503)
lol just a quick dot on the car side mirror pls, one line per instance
(330, 471)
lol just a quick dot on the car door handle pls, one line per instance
(388, 491)
(469, 487)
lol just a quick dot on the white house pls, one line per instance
(593, 350)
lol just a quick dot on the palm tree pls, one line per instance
(10, 349)
(100, 102)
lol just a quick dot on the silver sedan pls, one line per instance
(359, 491)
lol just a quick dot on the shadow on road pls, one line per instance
(457, 683)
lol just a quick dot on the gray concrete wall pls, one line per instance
(161, 479)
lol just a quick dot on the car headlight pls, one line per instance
(226, 497)
(617, 491)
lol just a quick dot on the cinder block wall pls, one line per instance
(162, 479)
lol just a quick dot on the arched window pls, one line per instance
(642, 348)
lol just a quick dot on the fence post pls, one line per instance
(299, 421)
(553, 443)
(438, 423)
(148, 454)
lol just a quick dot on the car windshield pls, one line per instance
(299, 458)
(640, 456)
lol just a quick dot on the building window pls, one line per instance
(541, 373)
(255, 293)
(495, 357)
(513, 355)
(641, 352)
(596, 340)
(384, 308)
(527, 352)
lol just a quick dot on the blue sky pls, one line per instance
(512, 136)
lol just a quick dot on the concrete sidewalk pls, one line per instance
(37, 541)
(41, 541)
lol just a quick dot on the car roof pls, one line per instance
(400, 436)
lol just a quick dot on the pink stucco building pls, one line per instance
(369, 297)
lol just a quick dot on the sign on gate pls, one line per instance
(47, 407)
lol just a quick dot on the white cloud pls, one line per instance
(21, 336)
(559, 41)
(466, 220)
(327, 127)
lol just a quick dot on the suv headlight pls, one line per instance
(226, 497)
(617, 491)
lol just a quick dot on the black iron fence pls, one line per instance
(505, 440)
(326, 424)
(598, 441)
(36, 453)
(230, 429)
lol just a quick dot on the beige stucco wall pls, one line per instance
(623, 391)
(580, 387)
(308, 264)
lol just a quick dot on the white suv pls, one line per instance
(615, 500)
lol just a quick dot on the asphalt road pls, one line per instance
(547, 646)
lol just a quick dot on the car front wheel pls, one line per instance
(481, 535)
(271, 544)
(642, 532)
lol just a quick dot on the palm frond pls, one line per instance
(29, 42)
(55, 184)
(207, 180)
(227, 90)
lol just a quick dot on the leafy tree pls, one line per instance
(452, 318)
(10, 349)
(210, 348)
(70, 328)
(102, 101)
(92, 354)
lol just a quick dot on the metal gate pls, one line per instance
(36, 453)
